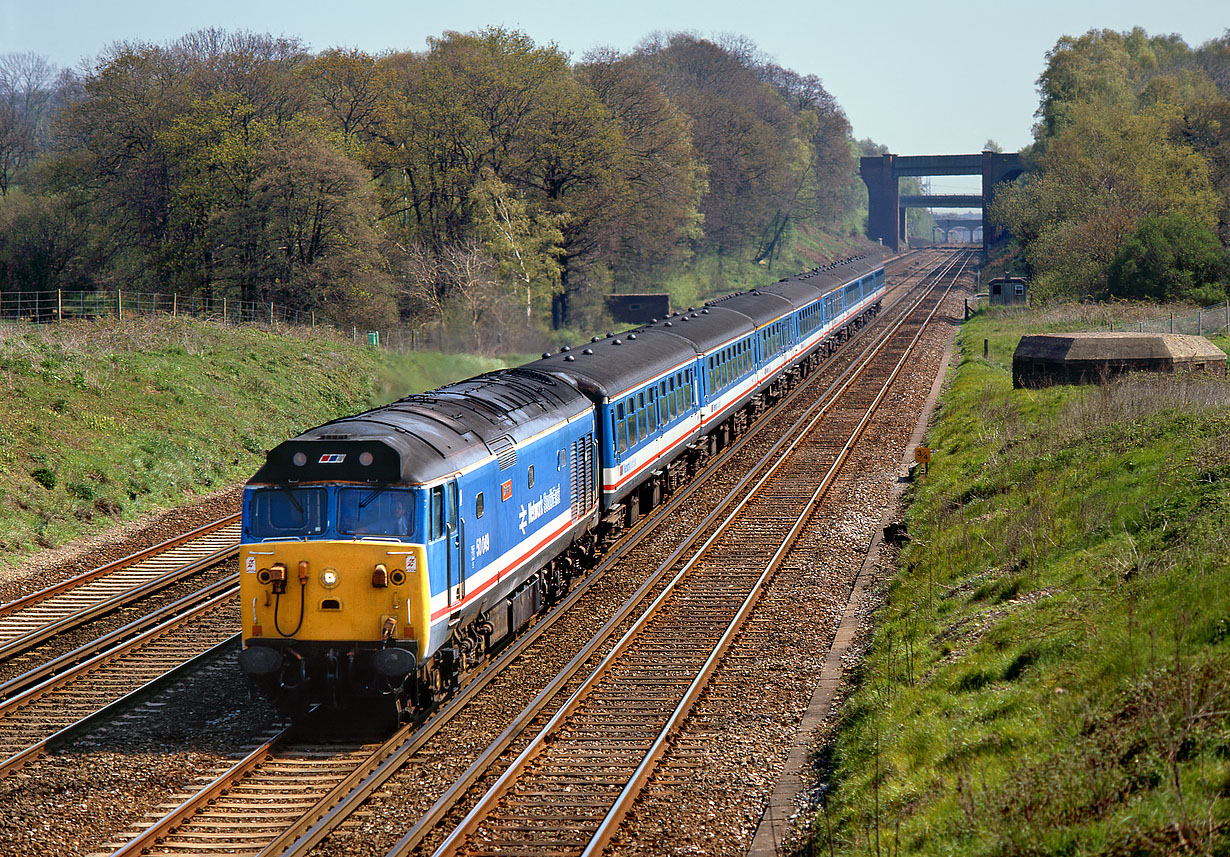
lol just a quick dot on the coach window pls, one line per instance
(642, 419)
(651, 407)
(529, 477)
(631, 406)
(621, 429)
(478, 504)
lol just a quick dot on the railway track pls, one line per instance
(568, 790)
(33, 619)
(43, 705)
(334, 796)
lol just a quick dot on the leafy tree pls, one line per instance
(745, 134)
(351, 93)
(320, 244)
(494, 102)
(526, 248)
(1096, 181)
(661, 180)
(44, 242)
(1170, 257)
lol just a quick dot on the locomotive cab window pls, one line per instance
(529, 477)
(281, 512)
(375, 512)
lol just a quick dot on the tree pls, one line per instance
(1170, 257)
(1097, 180)
(351, 92)
(745, 134)
(321, 246)
(25, 96)
(494, 103)
(526, 248)
(44, 242)
(661, 182)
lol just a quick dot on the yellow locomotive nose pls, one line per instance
(359, 588)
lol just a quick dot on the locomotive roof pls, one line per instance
(428, 436)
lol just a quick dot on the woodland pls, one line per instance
(485, 183)
(1128, 191)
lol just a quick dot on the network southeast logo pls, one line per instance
(333, 458)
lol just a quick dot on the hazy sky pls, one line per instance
(940, 83)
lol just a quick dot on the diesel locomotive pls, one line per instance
(383, 554)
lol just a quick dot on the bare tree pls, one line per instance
(25, 93)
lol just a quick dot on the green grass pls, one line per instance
(101, 421)
(711, 275)
(1050, 671)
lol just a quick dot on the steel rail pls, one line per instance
(472, 820)
(28, 679)
(103, 570)
(315, 824)
(37, 749)
(20, 644)
(606, 830)
(212, 791)
(335, 807)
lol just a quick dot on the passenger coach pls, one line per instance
(383, 554)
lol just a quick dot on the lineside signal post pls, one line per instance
(922, 455)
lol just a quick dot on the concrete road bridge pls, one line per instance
(887, 207)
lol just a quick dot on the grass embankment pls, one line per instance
(102, 421)
(1050, 671)
(711, 275)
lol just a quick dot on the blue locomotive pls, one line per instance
(409, 540)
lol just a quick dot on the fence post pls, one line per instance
(313, 318)
(1172, 321)
(174, 304)
(1199, 323)
(271, 313)
(224, 309)
(59, 305)
(119, 304)
(354, 334)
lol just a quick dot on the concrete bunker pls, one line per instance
(1042, 360)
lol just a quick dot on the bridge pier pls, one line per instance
(882, 199)
(886, 218)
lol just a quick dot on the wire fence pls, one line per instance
(53, 306)
(1207, 321)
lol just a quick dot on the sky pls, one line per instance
(919, 77)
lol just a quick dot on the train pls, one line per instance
(383, 555)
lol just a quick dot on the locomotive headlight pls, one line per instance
(328, 578)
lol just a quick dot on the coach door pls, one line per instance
(446, 527)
